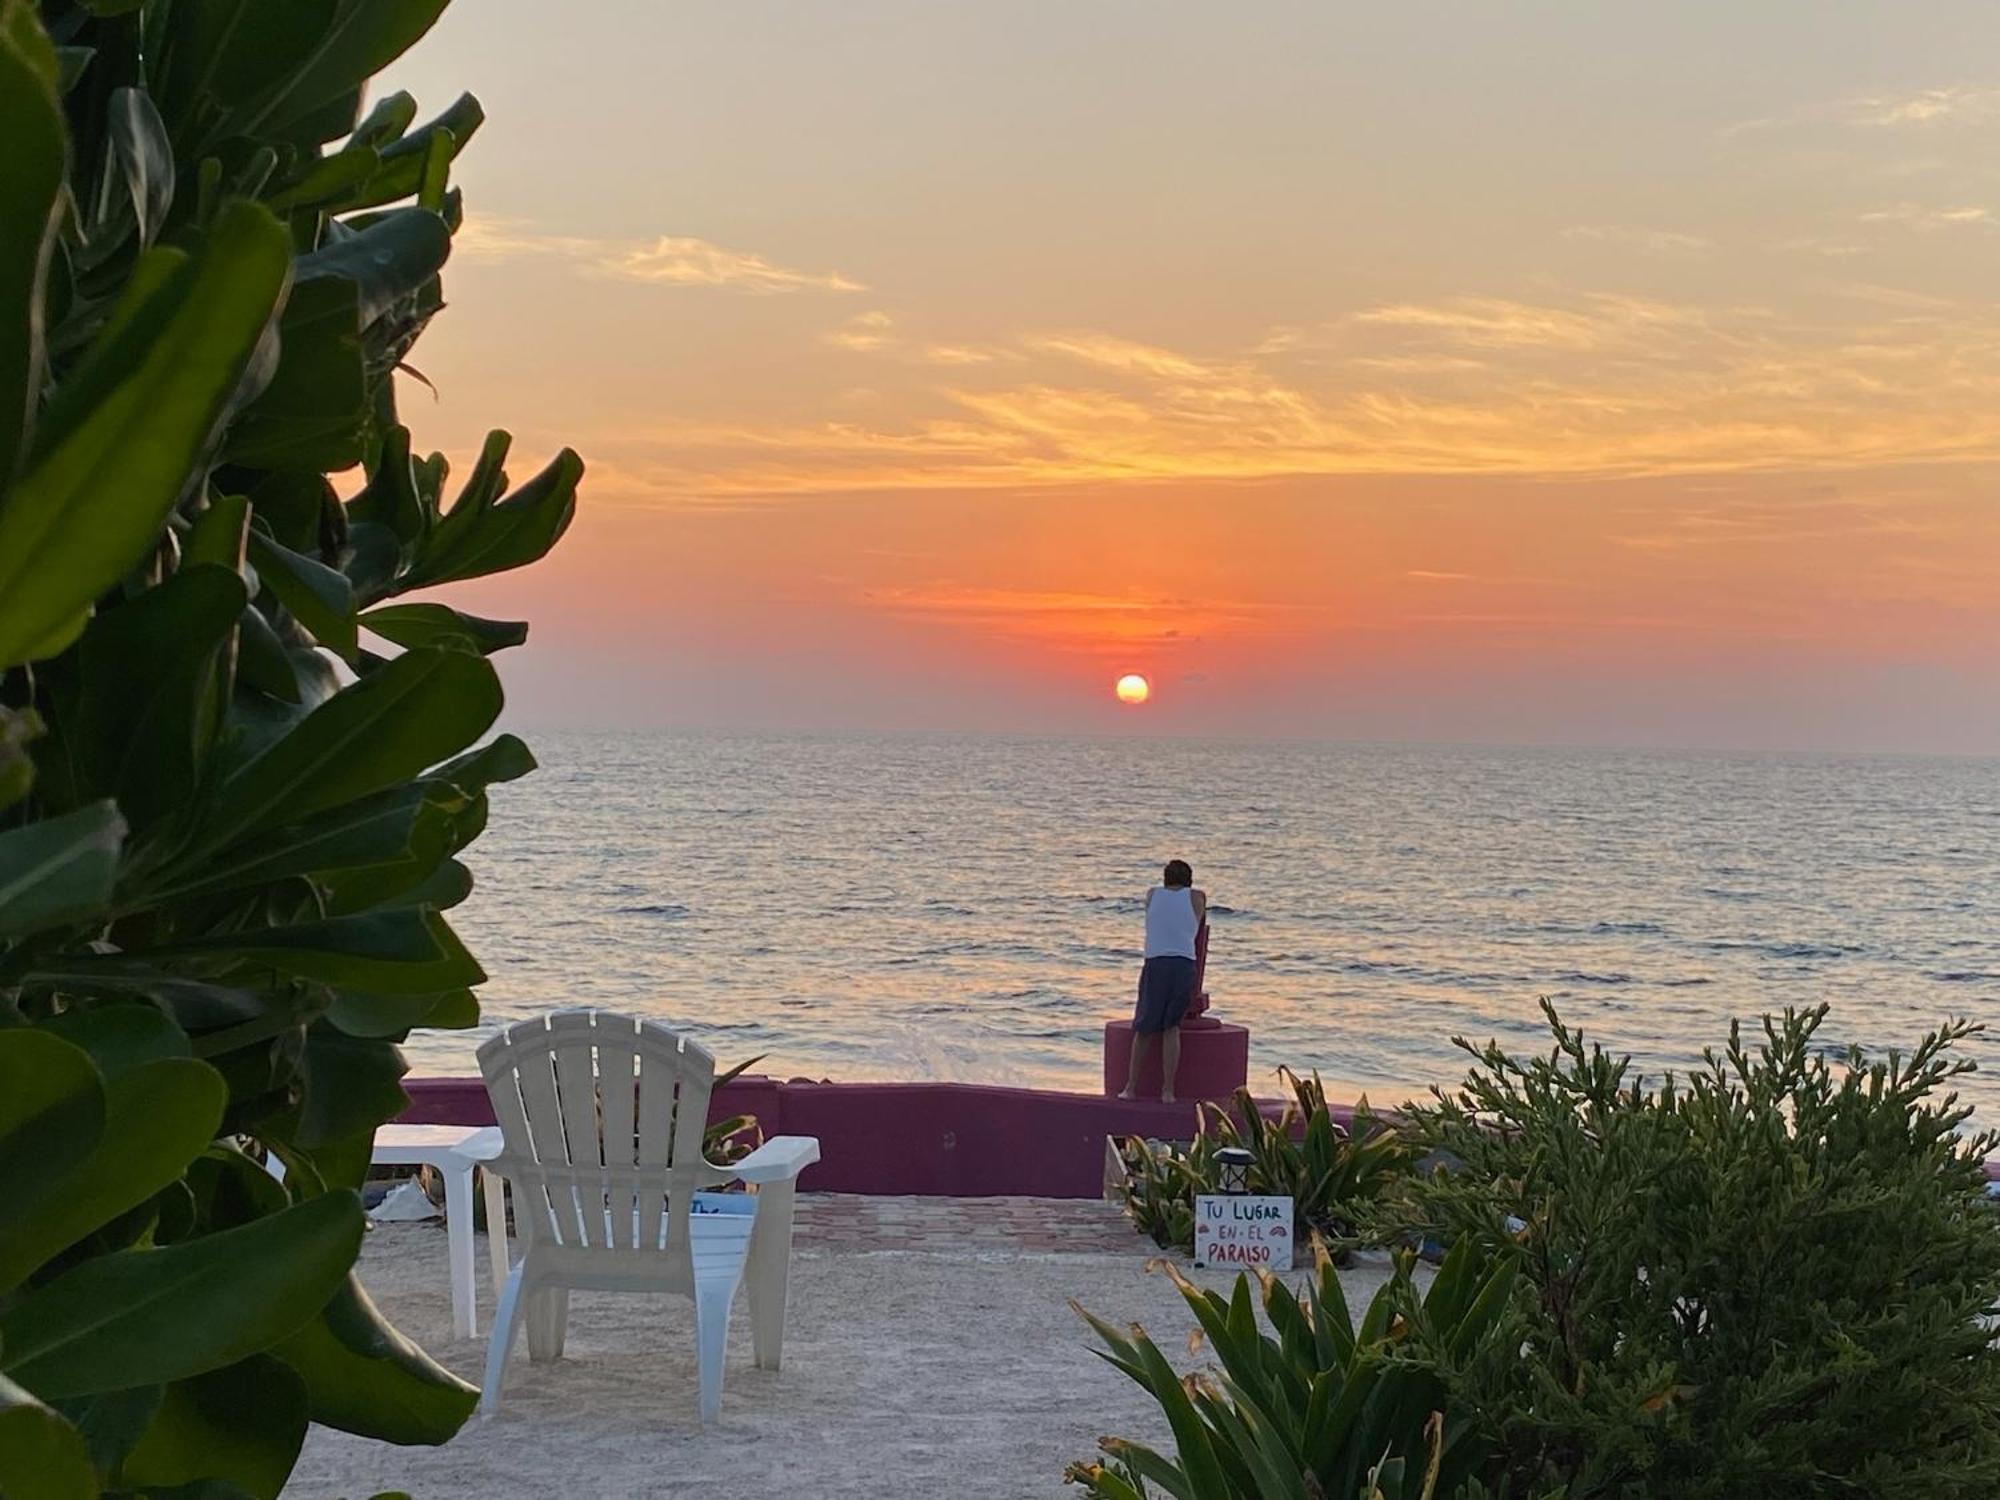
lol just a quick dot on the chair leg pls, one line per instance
(506, 1323)
(496, 1226)
(458, 1236)
(770, 1271)
(711, 1330)
(548, 1323)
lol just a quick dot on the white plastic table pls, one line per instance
(454, 1150)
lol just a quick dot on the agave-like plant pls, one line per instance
(1315, 1408)
(1329, 1171)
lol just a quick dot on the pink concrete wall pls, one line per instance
(952, 1140)
(956, 1140)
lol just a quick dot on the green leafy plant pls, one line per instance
(1775, 1277)
(235, 778)
(1329, 1171)
(1315, 1407)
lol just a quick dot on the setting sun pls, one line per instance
(1132, 688)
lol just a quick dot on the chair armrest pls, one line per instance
(778, 1159)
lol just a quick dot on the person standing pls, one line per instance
(1175, 911)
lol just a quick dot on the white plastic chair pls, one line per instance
(602, 1117)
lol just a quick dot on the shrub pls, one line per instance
(1773, 1278)
(1314, 1408)
(235, 777)
(1327, 1170)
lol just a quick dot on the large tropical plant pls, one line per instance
(237, 764)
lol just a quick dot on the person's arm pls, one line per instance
(1200, 900)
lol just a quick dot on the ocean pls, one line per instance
(940, 907)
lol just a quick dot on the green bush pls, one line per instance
(1315, 1408)
(1329, 1171)
(1774, 1278)
(235, 777)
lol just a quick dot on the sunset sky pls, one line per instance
(1500, 372)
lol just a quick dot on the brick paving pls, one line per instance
(847, 1223)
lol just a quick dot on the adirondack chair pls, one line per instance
(602, 1118)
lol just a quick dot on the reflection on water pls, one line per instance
(939, 907)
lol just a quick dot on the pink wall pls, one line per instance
(951, 1140)
(955, 1140)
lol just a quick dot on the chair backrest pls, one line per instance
(603, 1117)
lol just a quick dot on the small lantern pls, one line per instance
(1234, 1164)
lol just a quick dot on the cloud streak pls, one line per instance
(669, 260)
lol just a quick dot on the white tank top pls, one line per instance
(1170, 923)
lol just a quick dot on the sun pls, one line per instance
(1132, 688)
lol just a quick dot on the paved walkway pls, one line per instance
(848, 1222)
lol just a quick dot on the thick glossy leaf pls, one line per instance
(314, 412)
(391, 115)
(123, 434)
(392, 1015)
(395, 952)
(153, 683)
(352, 1084)
(119, 1036)
(111, 1421)
(394, 882)
(388, 261)
(31, 170)
(52, 1111)
(158, 1116)
(391, 499)
(220, 534)
(42, 1457)
(145, 1317)
(377, 830)
(242, 1424)
(390, 725)
(364, 1377)
(360, 38)
(476, 539)
(412, 625)
(145, 158)
(329, 184)
(318, 597)
(503, 758)
(60, 869)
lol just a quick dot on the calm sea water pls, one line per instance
(939, 907)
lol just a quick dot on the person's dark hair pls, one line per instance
(1179, 874)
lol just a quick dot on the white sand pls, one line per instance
(907, 1373)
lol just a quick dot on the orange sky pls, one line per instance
(1469, 372)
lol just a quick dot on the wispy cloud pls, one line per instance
(670, 260)
(1091, 619)
(680, 260)
(864, 333)
(1927, 220)
(1961, 104)
(1657, 242)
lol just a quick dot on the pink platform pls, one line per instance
(1215, 1060)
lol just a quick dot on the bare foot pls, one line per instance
(1166, 1096)
(1128, 1093)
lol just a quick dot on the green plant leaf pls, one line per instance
(59, 870)
(389, 260)
(18, 728)
(42, 1457)
(145, 157)
(479, 536)
(151, 690)
(158, 1116)
(119, 1036)
(314, 412)
(121, 438)
(319, 597)
(364, 1015)
(31, 180)
(394, 952)
(362, 1376)
(393, 723)
(413, 625)
(504, 758)
(242, 1424)
(351, 1085)
(52, 1111)
(145, 1317)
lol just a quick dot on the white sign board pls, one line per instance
(1238, 1230)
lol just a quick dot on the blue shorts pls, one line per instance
(1166, 986)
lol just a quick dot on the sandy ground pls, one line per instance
(907, 1373)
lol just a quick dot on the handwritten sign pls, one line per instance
(1243, 1231)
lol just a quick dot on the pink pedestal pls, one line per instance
(1215, 1060)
